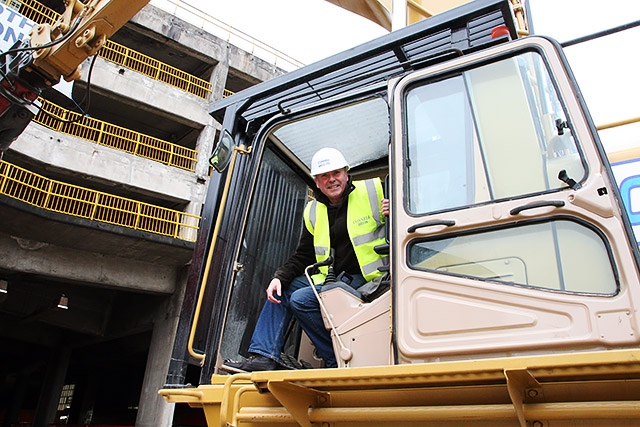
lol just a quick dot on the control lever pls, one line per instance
(327, 261)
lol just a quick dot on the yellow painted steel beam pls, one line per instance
(597, 386)
(619, 123)
(551, 366)
(374, 10)
(381, 11)
(622, 155)
(449, 413)
(434, 413)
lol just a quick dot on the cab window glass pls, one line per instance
(558, 255)
(493, 132)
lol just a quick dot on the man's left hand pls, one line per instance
(385, 207)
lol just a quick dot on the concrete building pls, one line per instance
(98, 217)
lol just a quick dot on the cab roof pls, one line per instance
(460, 30)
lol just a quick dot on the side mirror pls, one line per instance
(221, 155)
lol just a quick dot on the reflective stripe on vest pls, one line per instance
(364, 225)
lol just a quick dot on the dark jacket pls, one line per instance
(345, 256)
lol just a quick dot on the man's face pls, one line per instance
(332, 184)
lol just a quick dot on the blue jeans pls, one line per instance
(300, 301)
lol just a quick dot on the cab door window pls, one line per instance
(488, 133)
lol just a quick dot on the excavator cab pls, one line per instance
(514, 274)
(506, 233)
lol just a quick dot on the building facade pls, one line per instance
(99, 212)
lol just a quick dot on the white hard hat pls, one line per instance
(327, 160)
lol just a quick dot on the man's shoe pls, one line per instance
(290, 362)
(254, 363)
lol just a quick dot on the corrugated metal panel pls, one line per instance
(271, 236)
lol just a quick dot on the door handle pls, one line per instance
(447, 222)
(552, 203)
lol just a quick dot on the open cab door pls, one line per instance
(508, 235)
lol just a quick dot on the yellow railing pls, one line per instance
(226, 93)
(155, 69)
(124, 56)
(37, 190)
(103, 133)
(33, 10)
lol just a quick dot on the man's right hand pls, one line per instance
(275, 288)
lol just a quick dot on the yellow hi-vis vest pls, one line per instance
(365, 226)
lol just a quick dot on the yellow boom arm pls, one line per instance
(91, 23)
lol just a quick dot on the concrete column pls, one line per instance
(193, 208)
(205, 144)
(153, 410)
(52, 387)
(206, 141)
(218, 80)
(87, 399)
(207, 138)
(16, 399)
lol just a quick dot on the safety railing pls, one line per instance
(45, 193)
(107, 134)
(33, 10)
(124, 56)
(155, 69)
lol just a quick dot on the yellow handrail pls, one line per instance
(124, 56)
(33, 10)
(37, 190)
(103, 133)
(216, 229)
(155, 69)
